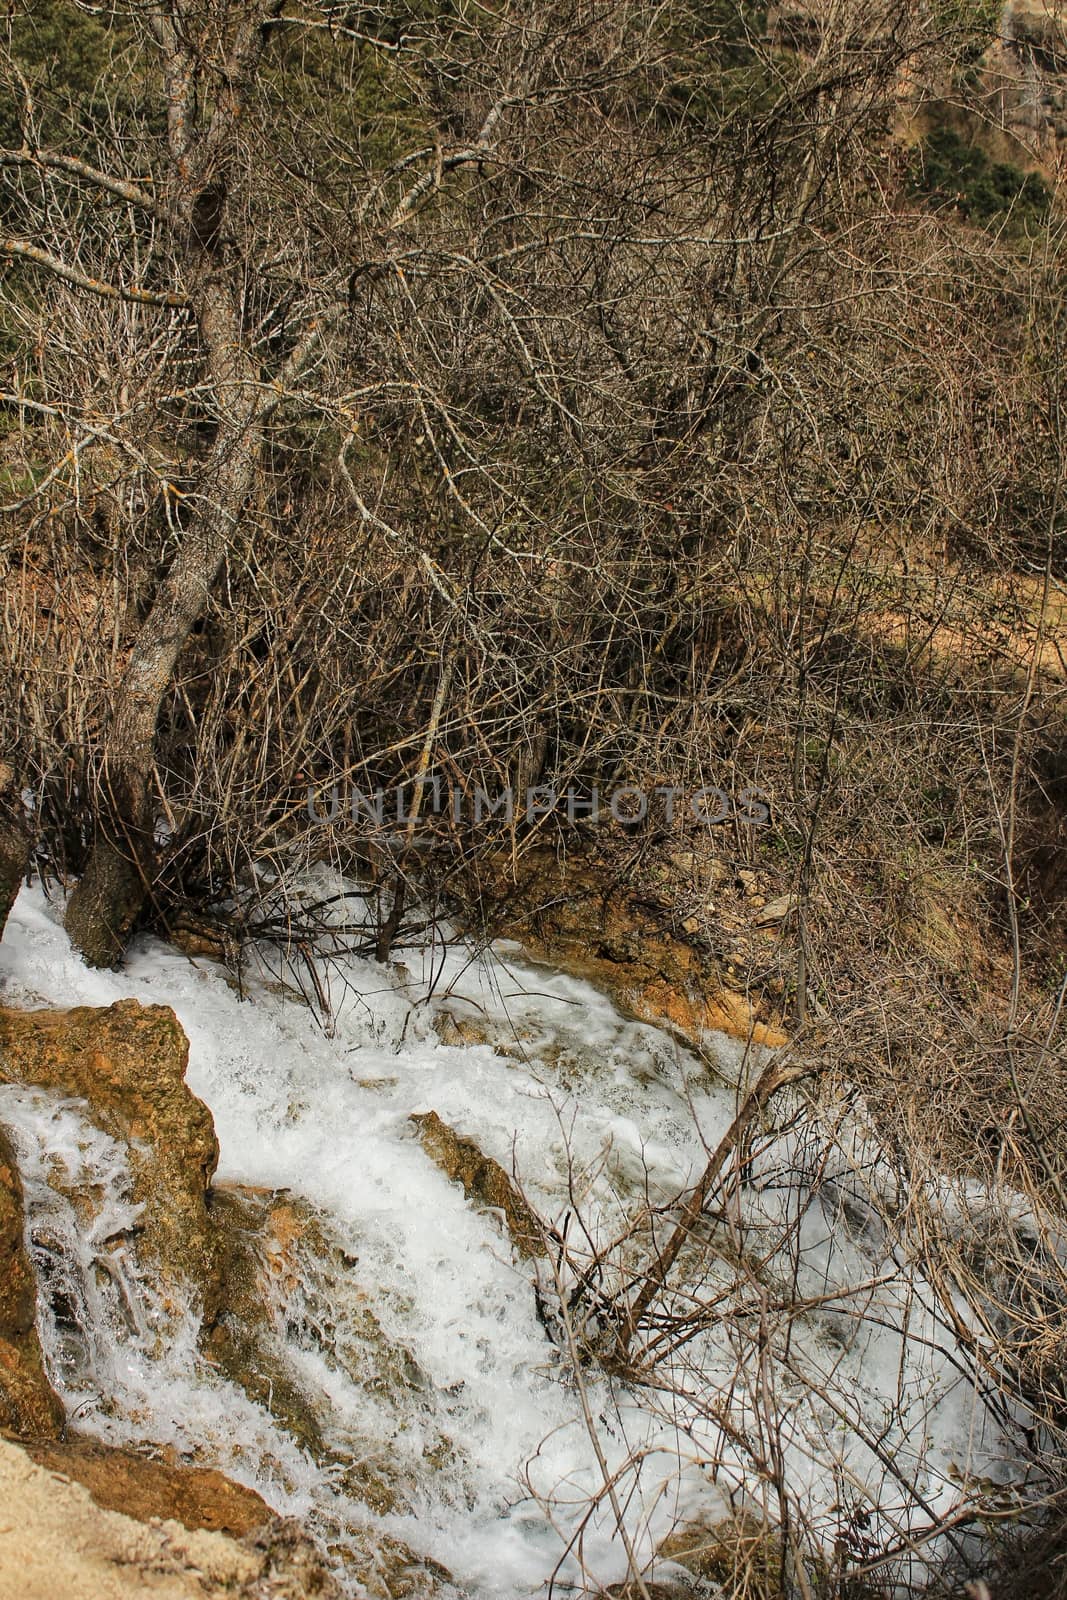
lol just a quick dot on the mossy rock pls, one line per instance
(127, 1062)
(484, 1182)
(287, 1276)
(387, 1569)
(741, 1555)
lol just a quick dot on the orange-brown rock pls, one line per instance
(484, 1181)
(590, 924)
(120, 1480)
(56, 1541)
(128, 1062)
(260, 1231)
(27, 1402)
(285, 1260)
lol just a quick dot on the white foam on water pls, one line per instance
(875, 1415)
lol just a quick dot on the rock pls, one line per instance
(28, 1405)
(484, 1181)
(56, 1541)
(199, 943)
(579, 919)
(128, 1062)
(27, 1402)
(775, 911)
(388, 1569)
(461, 1030)
(691, 925)
(741, 1555)
(505, 1037)
(724, 1011)
(287, 1275)
(256, 1259)
(120, 1480)
(291, 1567)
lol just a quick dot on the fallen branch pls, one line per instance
(776, 1076)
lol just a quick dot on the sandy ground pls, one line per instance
(56, 1544)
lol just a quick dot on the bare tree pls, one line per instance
(347, 344)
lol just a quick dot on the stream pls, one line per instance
(803, 1372)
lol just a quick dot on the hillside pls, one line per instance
(590, 476)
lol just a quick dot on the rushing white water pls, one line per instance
(862, 1407)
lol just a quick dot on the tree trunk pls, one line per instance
(111, 893)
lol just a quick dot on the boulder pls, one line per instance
(128, 1063)
(485, 1183)
(27, 1402)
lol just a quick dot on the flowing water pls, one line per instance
(810, 1370)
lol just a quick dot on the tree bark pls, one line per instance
(117, 879)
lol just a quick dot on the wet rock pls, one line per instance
(692, 1015)
(56, 1541)
(242, 1338)
(506, 1038)
(287, 1277)
(27, 1402)
(128, 1062)
(291, 1567)
(461, 1030)
(120, 1480)
(387, 1569)
(484, 1181)
(595, 928)
(740, 1555)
